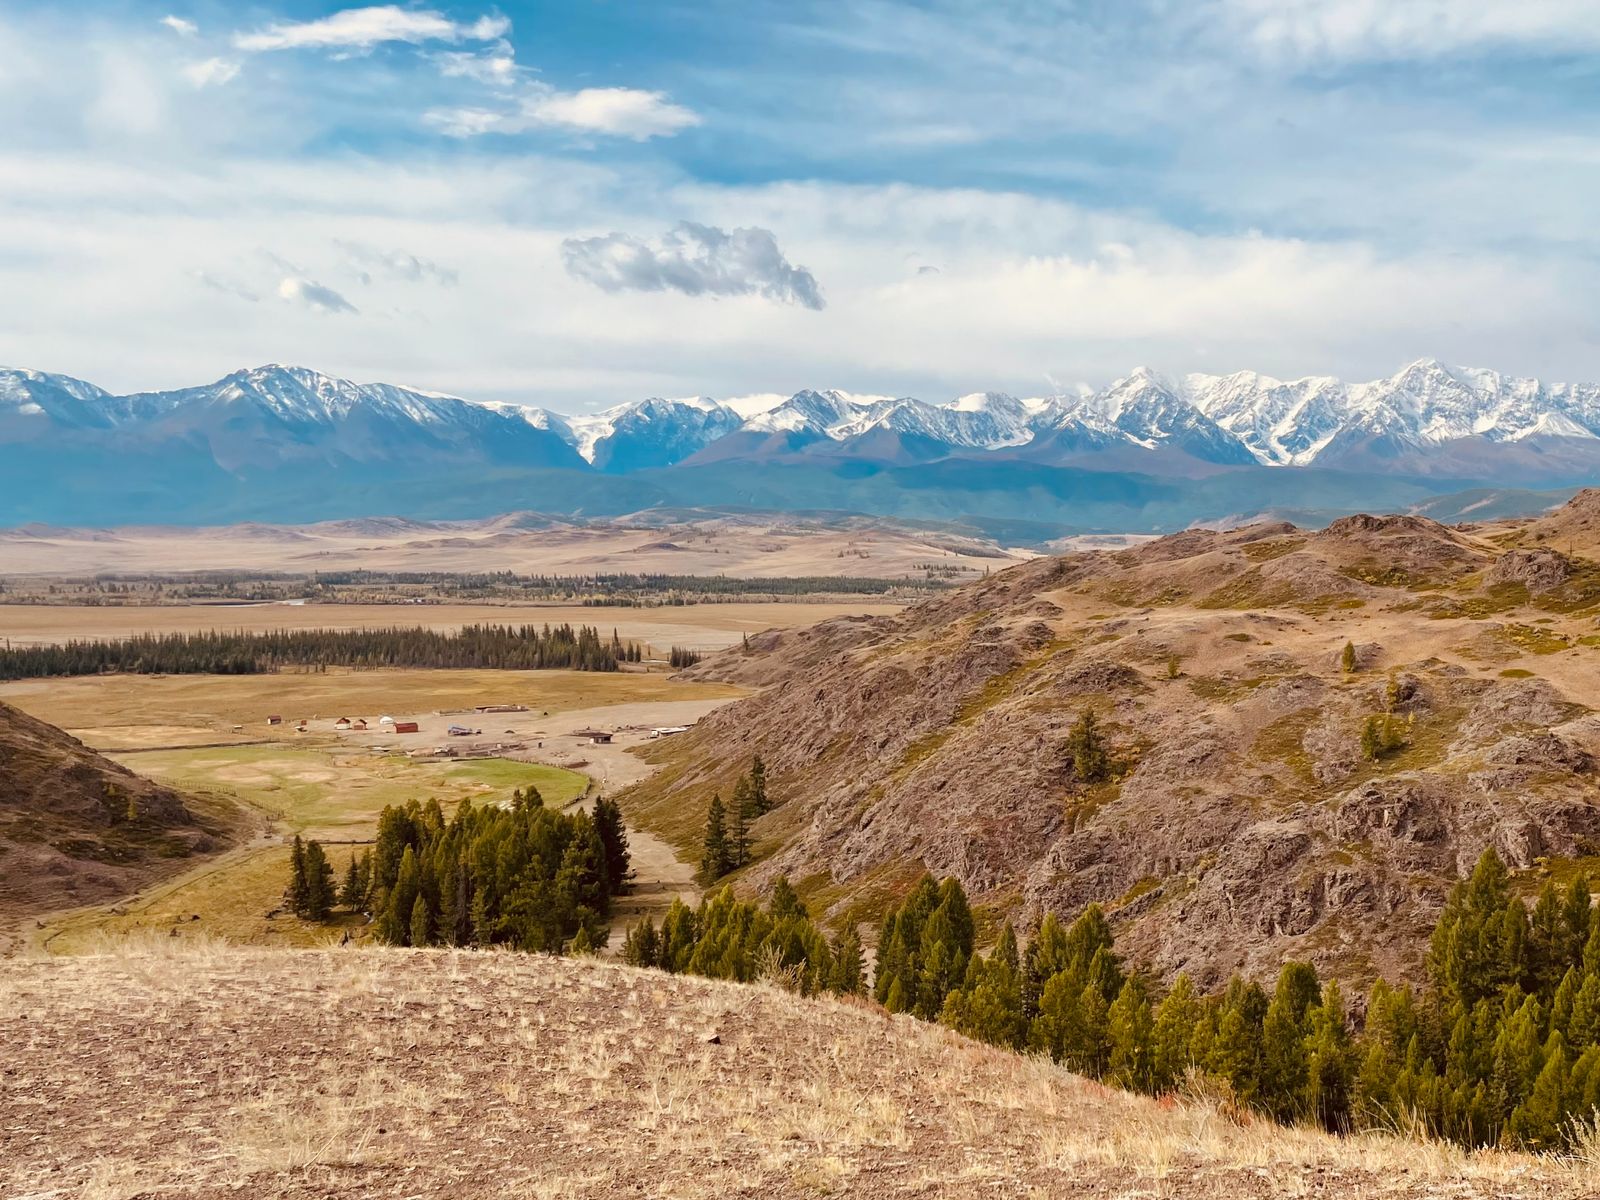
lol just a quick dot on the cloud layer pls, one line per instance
(697, 260)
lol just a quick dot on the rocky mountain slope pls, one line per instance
(199, 1071)
(1242, 823)
(77, 828)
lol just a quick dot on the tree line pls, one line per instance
(522, 876)
(1501, 1046)
(505, 647)
(727, 938)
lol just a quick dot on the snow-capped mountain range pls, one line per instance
(283, 430)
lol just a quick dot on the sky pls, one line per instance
(581, 203)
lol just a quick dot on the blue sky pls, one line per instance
(582, 203)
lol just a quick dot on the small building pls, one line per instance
(274, 720)
(461, 731)
(342, 723)
(405, 727)
(358, 724)
(668, 730)
(595, 737)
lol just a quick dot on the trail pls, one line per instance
(660, 876)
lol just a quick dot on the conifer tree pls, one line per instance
(641, 947)
(1090, 762)
(319, 894)
(298, 890)
(608, 823)
(785, 901)
(1328, 1062)
(1129, 1034)
(1347, 658)
(350, 893)
(421, 925)
(1172, 1034)
(849, 976)
(715, 859)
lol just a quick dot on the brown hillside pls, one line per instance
(1243, 826)
(77, 828)
(202, 1073)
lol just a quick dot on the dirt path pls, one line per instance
(660, 876)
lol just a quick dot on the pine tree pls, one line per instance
(297, 878)
(1130, 1035)
(613, 831)
(785, 902)
(715, 859)
(641, 947)
(350, 892)
(1090, 762)
(849, 976)
(319, 895)
(1329, 1062)
(421, 927)
(1172, 1035)
(1347, 658)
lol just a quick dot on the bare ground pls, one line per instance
(193, 1070)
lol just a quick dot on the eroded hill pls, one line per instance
(196, 1071)
(77, 828)
(1243, 823)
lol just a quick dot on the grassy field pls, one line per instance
(332, 794)
(124, 712)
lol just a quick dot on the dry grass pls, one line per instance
(104, 708)
(191, 1069)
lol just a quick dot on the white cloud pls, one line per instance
(697, 260)
(1028, 287)
(180, 26)
(313, 295)
(1379, 30)
(615, 111)
(624, 112)
(363, 28)
(497, 66)
(210, 72)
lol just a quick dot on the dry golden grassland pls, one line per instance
(124, 712)
(702, 626)
(189, 1069)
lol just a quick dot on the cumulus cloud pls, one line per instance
(395, 265)
(210, 72)
(180, 26)
(363, 28)
(614, 111)
(313, 295)
(697, 260)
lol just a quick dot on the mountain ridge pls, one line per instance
(290, 443)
